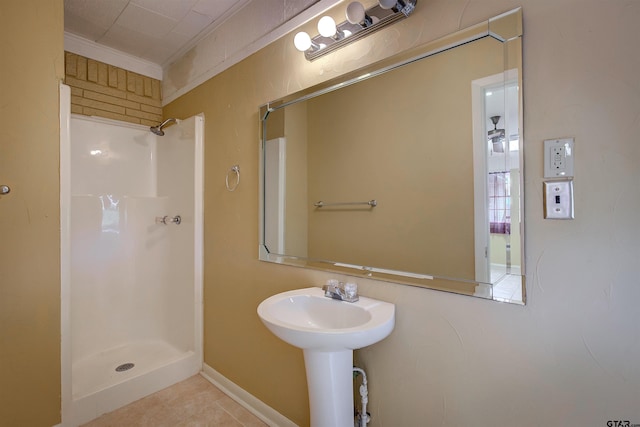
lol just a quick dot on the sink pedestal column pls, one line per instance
(330, 381)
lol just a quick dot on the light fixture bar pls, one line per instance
(348, 32)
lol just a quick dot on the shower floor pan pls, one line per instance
(98, 388)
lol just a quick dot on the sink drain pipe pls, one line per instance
(363, 417)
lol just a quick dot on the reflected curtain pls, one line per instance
(499, 203)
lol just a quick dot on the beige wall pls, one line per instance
(32, 67)
(567, 358)
(103, 90)
(235, 281)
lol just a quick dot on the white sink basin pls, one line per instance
(327, 331)
(305, 318)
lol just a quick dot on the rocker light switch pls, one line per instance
(558, 199)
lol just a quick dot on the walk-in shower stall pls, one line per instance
(132, 308)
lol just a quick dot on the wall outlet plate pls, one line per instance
(558, 199)
(558, 158)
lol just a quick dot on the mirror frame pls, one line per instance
(504, 28)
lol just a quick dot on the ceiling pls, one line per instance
(158, 31)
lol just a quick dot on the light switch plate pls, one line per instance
(558, 158)
(558, 199)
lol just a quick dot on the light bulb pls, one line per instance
(387, 4)
(355, 12)
(302, 41)
(327, 26)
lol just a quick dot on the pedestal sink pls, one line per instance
(327, 331)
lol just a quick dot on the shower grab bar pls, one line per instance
(320, 203)
(166, 220)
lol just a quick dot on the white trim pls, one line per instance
(251, 403)
(87, 48)
(198, 223)
(65, 250)
(320, 7)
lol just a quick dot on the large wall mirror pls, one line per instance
(407, 171)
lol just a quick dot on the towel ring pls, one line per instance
(236, 170)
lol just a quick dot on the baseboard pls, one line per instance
(251, 403)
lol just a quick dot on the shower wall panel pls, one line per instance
(176, 171)
(112, 159)
(131, 277)
(118, 267)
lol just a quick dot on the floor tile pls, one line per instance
(194, 402)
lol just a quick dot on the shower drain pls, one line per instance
(125, 367)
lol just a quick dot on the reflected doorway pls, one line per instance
(497, 174)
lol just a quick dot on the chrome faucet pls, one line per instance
(341, 291)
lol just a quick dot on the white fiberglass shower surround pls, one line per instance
(132, 312)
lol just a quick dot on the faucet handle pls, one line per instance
(333, 283)
(351, 290)
(330, 288)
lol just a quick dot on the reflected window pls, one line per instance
(499, 203)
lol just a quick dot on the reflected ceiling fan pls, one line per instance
(496, 136)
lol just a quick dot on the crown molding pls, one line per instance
(87, 48)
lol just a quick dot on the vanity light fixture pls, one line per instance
(359, 23)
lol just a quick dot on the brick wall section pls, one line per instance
(99, 89)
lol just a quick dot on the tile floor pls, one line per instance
(192, 402)
(508, 289)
